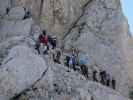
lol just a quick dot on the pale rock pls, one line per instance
(111, 4)
(17, 13)
(56, 16)
(15, 28)
(4, 4)
(20, 70)
(97, 27)
(103, 40)
(70, 86)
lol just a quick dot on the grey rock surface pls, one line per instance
(10, 28)
(97, 28)
(4, 4)
(17, 13)
(102, 31)
(69, 86)
(18, 72)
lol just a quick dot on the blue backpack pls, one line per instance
(83, 60)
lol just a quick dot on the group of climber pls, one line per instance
(44, 43)
(48, 42)
(77, 59)
(104, 78)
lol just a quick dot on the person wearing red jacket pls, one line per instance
(43, 40)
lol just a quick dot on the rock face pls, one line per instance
(96, 27)
(100, 33)
(56, 16)
(18, 72)
(129, 57)
(69, 86)
(3, 6)
(11, 28)
(17, 13)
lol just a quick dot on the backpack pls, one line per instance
(83, 60)
(49, 38)
(67, 58)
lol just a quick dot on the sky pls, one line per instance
(127, 6)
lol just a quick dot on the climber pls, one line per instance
(7, 10)
(95, 76)
(92, 98)
(43, 40)
(103, 77)
(76, 54)
(74, 62)
(73, 51)
(113, 82)
(27, 14)
(49, 39)
(108, 80)
(67, 61)
(70, 64)
(56, 56)
(82, 62)
(84, 70)
(53, 41)
(37, 46)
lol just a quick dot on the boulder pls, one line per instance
(17, 13)
(19, 71)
